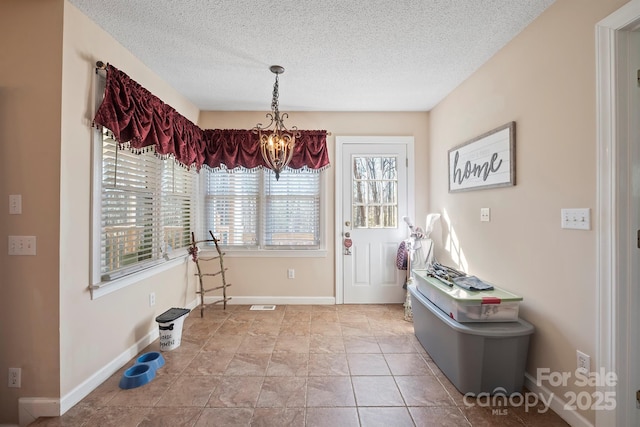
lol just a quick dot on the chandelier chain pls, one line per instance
(274, 101)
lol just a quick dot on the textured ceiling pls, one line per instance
(338, 55)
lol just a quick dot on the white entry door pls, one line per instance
(374, 202)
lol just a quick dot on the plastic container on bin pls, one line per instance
(496, 305)
(476, 357)
(170, 324)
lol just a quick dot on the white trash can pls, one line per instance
(170, 324)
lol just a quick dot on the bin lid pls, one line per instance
(172, 314)
(494, 296)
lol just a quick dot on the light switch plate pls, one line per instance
(576, 218)
(15, 204)
(22, 245)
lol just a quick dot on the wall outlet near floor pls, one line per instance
(152, 299)
(15, 377)
(291, 273)
(584, 361)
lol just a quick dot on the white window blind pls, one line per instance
(231, 207)
(292, 210)
(146, 209)
(250, 209)
(178, 203)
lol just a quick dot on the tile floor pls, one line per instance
(336, 366)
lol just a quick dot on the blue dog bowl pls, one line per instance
(136, 376)
(154, 359)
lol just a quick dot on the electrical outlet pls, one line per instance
(152, 299)
(15, 379)
(485, 214)
(291, 273)
(584, 361)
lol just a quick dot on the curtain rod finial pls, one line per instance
(101, 65)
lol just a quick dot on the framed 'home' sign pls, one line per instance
(487, 161)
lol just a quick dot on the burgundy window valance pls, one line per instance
(233, 148)
(140, 120)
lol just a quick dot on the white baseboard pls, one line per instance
(557, 405)
(69, 400)
(30, 408)
(275, 300)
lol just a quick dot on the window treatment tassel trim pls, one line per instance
(141, 121)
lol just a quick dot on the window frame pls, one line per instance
(137, 272)
(268, 252)
(100, 288)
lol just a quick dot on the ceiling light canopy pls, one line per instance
(276, 141)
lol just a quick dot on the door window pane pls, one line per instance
(375, 192)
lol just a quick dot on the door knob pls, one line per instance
(347, 223)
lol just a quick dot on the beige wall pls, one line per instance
(94, 332)
(544, 80)
(51, 327)
(315, 277)
(30, 94)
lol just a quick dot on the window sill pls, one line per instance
(249, 253)
(105, 288)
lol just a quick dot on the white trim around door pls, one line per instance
(613, 255)
(338, 161)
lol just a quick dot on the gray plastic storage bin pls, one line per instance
(476, 357)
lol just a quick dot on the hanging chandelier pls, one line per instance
(276, 141)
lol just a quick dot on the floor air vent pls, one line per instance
(263, 307)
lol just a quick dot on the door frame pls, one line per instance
(613, 227)
(340, 142)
